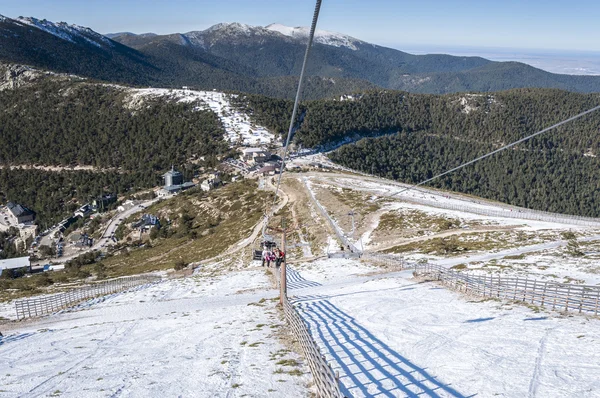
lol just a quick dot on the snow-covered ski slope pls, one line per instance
(194, 337)
(543, 255)
(239, 129)
(392, 336)
(460, 203)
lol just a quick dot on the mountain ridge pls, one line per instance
(261, 60)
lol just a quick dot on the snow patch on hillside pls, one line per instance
(321, 36)
(232, 28)
(460, 206)
(474, 102)
(239, 129)
(66, 32)
(589, 153)
(194, 38)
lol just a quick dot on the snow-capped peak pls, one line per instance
(3, 18)
(237, 29)
(65, 31)
(232, 28)
(321, 36)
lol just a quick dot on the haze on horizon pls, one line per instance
(551, 34)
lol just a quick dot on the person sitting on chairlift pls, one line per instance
(264, 256)
(269, 258)
(280, 257)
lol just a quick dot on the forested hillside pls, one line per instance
(544, 179)
(53, 195)
(69, 122)
(427, 134)
(489, 118)
(56, 121)
(78, 123)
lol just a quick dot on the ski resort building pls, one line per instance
(173, 177)
(20, 214)
(255, 155)
(174, 183)
(104, 201)
(18, 263)
(213, 181)
(269, 169)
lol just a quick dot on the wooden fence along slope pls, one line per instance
(326, 380)
(558, 296)
(324, 376)
(33, 307)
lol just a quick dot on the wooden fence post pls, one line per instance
(544, 292)
(484, 283)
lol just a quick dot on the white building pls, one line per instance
(83, 211)
(15, 263)
(255, 155)
(128, 204)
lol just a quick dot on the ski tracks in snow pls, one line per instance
(102, 349)
(535, 378)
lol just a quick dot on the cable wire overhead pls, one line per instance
(311, 35)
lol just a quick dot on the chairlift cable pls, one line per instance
(295, 110)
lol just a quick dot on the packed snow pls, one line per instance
(382, 191)
(459, 204)
(239, 129)
(524, 247)
(553, 261)
(203, 336)
(391, 335)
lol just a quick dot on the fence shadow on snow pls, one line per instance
(368, 366)
(296, 281)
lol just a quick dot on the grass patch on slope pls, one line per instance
(194, 226)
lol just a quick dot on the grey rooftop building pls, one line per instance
(174, 183)
(20, 213)
(173, 177)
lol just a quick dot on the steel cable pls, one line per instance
(311, 35)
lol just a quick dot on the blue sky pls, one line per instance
(549, 24)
